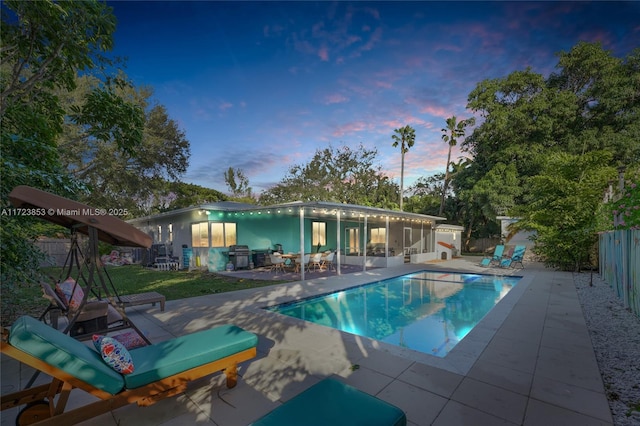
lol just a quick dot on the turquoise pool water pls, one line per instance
(425, 311)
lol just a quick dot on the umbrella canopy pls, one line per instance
(72, 214)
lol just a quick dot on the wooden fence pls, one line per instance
(620, 265)
(55, 249)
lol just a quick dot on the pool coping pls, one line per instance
(536, 364)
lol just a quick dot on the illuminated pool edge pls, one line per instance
(517, 285)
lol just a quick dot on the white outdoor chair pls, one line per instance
(327, 261)
(302, 262)
(315, 262)
(277, 263)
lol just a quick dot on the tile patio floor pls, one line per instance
(529, 362)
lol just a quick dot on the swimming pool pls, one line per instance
(426, 311)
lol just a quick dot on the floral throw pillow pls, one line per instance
(114, 354)
(130, 340)
(63, 297)
(73, 293)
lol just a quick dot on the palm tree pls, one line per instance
(405, 137)
(451, 133)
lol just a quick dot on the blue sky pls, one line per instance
(259, 86)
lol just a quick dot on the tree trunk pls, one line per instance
(467, 239)
(445, 184)
(402, 177)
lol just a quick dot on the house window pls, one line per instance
(159, 233)
(170, 231)
(223, 234)
(378, 235)
(318, 233)
(200, 234)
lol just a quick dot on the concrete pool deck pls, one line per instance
(529, 362)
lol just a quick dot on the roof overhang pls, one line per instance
(444, 227)
(312, 209)
(321, 209)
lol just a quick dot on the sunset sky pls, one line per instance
(259, 86)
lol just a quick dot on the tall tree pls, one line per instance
(454, 130)
(132, 178)
(238, 183)
(562, 204)
(406, 138)
(182, 195)
(424, 195)
(341, 175)
(590, 105)
(43, 45)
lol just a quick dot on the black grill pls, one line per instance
(239, 256)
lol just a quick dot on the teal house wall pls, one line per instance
(360, 235)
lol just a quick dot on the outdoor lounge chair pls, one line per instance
(497, 255)
(160, 371)
(495, 258)
(516, 257)
(334, 403)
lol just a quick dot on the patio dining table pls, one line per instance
(294, 258)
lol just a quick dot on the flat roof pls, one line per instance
(320, 208)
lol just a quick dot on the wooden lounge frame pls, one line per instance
(51, 409)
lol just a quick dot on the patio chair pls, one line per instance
(302, 263)
(327, 261)
(277, 262)
(516, 257)
(315, 262)
(160, 371)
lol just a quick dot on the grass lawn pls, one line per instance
(129, 280)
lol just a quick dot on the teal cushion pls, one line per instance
(64, 352)
(174, 356)
(334, 403)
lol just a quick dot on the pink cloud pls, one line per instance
(225, 106)
(335, 37)
(353, 127)
(424, 158)
(436, 111)
(323, 53)
(376, 36)
(335, 98)
(407, 119)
